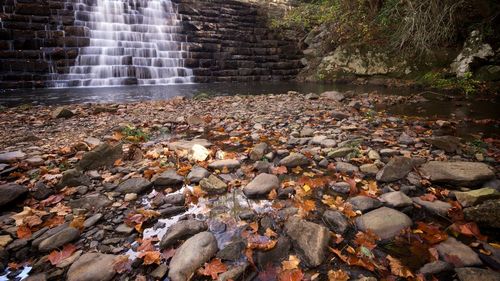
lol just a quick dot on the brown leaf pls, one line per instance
(337, 275)
(122, 264)
(280, 170)
(23, 232)
(150, 257)
(292, 263)
(78, 222)
(398, 269)
(213, 268)
(291, 275)
(56, 257)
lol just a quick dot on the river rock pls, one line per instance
(274, 256)
(103, 155)
(340, 152)
(364, 203)
(59, 239)
(168, 178)
(72, 178)
(92, 220)
(335, 221)
(90, 201)
(457, 173)
(191, 255)
(261, 185)
(92, 267)
(435, 267)
(233, 273)
(62, 112)
(187, 145)
(449, 144)
(437, 207)
(347, 168)
(134, 185)
(333, 95)
(13, 156)
(396, 199)
(159, 272)
(475, 274)
(258, 151)
(232, 251)
(397, 168)
(309, 239)
(10, 192)
(451, 248)
(385, 222)
(369, 169)
(487, 213)
(230, 164)
(197, 173)
(475, 197)
(294, 160)
(213, 185)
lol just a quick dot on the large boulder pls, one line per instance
(474, 51)
(10, 192)
(103, 155)
(385, 222)
(92, 267)
(261, 185)
(309, 239)
(457, 173)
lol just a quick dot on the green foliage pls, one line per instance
(134, 134)
(467, 84)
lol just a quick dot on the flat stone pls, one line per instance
(485, 214)
(123, 228)
(388, 152)
(90, 202)
(62, 112)
(457, 251)
(5, 240)
(261, 185)
(316, 140)
(436, 207)
(328, 143)
(258, 151)
(59, 239)
(35, 161)
(198, 153)
(92, 220)
(103, 155)
(213, 185)
(197, 173)
(73, 178)
(181, 231)
(293, 160)
(159, 272)
(187, 145)
(230, 164)
(340, 152)
(397, 168)
(457, 173)
(347, 168)
(475, 274)
(385, 222)
(13, 156)
(364, 203)
(192, 255)
(335, 221)
(435, 267)
(333, 95)
(92, 267)
(133, 185)
(449, 144)
(475, 197)
(168, 178)
(396, 199)
(369, 169)
(10, 192)
(309, 239)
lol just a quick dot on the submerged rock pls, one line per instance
(310, 240)
(457, 173)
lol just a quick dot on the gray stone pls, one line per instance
(168, 178)
(261, 185)
(191, 255)
(457, 173)
(486, 214)
(310, 240)
(347, 168)
(340, 152)
(404, 138)
(435, 267)
(385, 222)
(10, 192)
(159, 272)
(103, 155)
(59, 239)
(62, 112)
(312, 96)
(341, 187)
(373, 155)
(364, 203)
(258, 151)
(436, 207)
(396, 199)
(197, 173)
(475, 274)
(187, 145)
(388, 152)
(180, 231)
(213, 185)
(335, 221)
(35, 161)
(90, 202)
(123, 228)
(92, 220)
(73, 178)
(230, 164)
(275, 255)
(316, 140)
(397, 168)
(92, 267)
(369, 169)
(232, 251)
(458, 251)
(233, 273)
(449, 144)
(134, 185)
(475, 197)
(294, 160)
(333, 95)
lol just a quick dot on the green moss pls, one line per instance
(467, 84)
(134, 134)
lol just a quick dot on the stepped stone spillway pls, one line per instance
(51, 43)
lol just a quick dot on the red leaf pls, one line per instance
(291, 275)
(213, 269)
(57, 256)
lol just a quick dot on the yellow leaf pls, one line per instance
(306, 188)
(291, 263)
(337, 275)
(399, 269)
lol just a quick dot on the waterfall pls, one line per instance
(131, 42)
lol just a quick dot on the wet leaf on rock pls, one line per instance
(213, 269)
(150, 257)
(122, 264)
(56, 257)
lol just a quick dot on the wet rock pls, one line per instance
(458, 173)
(435, 267)
(175, 199)
(74, 177)
(230, 164)
(90, 201)
(451, 248)
(197, 174)
(261, 185)
(37, 277)
(191, 255)
(364, 203)
(487, 213)
(92, 267)
(103, 155)
(258, 151)
(13, 156)
(62, 112)
(275, 255)
(168, 178)
(333, 95)
(294, 160)
(213, 185)
(385, 222)
(310, 240)
(474, 274)
(10, 192)
(397, 168)
(449, 144)
(59, 239)
(436, 207)
(340, 152)
(181, 231)
(346, 168)
(232, 252)
(475, 197)
(133, 185)
(396, 199)
(335, 221)
(187, 145)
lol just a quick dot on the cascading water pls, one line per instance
(131, 42)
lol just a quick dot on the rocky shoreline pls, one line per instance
(275, 187)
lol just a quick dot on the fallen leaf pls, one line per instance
(398, 269)
(122, 264)
(56, 257)
(78, 222)
(337, 275)
(280, 170)
(23, 232)
(291, 275)
(292, 263)
(213, 269)
(150, 257)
